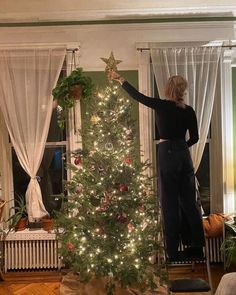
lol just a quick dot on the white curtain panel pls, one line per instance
(5, 169)
(27, 78)
(199, 66)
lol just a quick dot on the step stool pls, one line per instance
(191, 285)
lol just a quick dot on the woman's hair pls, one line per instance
(176, 89)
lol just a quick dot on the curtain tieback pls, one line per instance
(38, 178)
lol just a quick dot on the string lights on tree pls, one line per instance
(109, 223)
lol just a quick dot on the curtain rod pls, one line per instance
(72, 49)
(147, 48)
(33, 46)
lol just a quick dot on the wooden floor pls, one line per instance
(48, 283)
(31, 283)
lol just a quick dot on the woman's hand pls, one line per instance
(112, 75)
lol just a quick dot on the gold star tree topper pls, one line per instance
(111, 63)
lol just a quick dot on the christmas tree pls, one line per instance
(109, 224)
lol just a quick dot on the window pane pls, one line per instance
(203, 176)
(52, 174)
(55, 133)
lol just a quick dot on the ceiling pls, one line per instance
(12, 11)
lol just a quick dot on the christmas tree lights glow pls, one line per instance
(109, 223)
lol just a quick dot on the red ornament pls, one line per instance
(128, 161)
(70, 246)
(78, 161)
(144, 193)
(123, 187)
(122, 217)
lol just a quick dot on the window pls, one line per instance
(51, 174)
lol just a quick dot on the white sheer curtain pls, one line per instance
(27, 78)
(199, 66)
(5, 167)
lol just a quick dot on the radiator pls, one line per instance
(29, 250)
(38, 250)
(213, 246)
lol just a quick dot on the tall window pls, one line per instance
(52, 172)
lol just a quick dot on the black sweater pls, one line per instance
(172, 121)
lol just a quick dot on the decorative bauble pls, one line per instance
(130, 226)
(129, 134)
(93, 168)
(122, 217)
(94, 119)
(144, 193)
(142, 209)
(78, 161)
(106, 200)
(123, 187)
(70, 246)
(128, 161)
(79, 189)
(109, 146)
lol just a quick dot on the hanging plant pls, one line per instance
(69, 89)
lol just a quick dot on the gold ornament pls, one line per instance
(94, 119)
(111, 63)
(130, 227)
(107, 199)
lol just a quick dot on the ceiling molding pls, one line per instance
(215, 25)
(115, 14)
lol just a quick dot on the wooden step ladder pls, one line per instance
(191, 285)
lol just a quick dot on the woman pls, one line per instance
(176, 179)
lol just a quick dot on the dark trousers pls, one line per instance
(180, 212)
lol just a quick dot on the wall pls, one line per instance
(234, 121)
(99, 40)
(100, 81)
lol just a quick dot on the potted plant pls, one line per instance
(229, 245)
(54, 205)
(47, 223)
(69, 89)
(19, 219)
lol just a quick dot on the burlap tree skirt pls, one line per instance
(71, 285)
